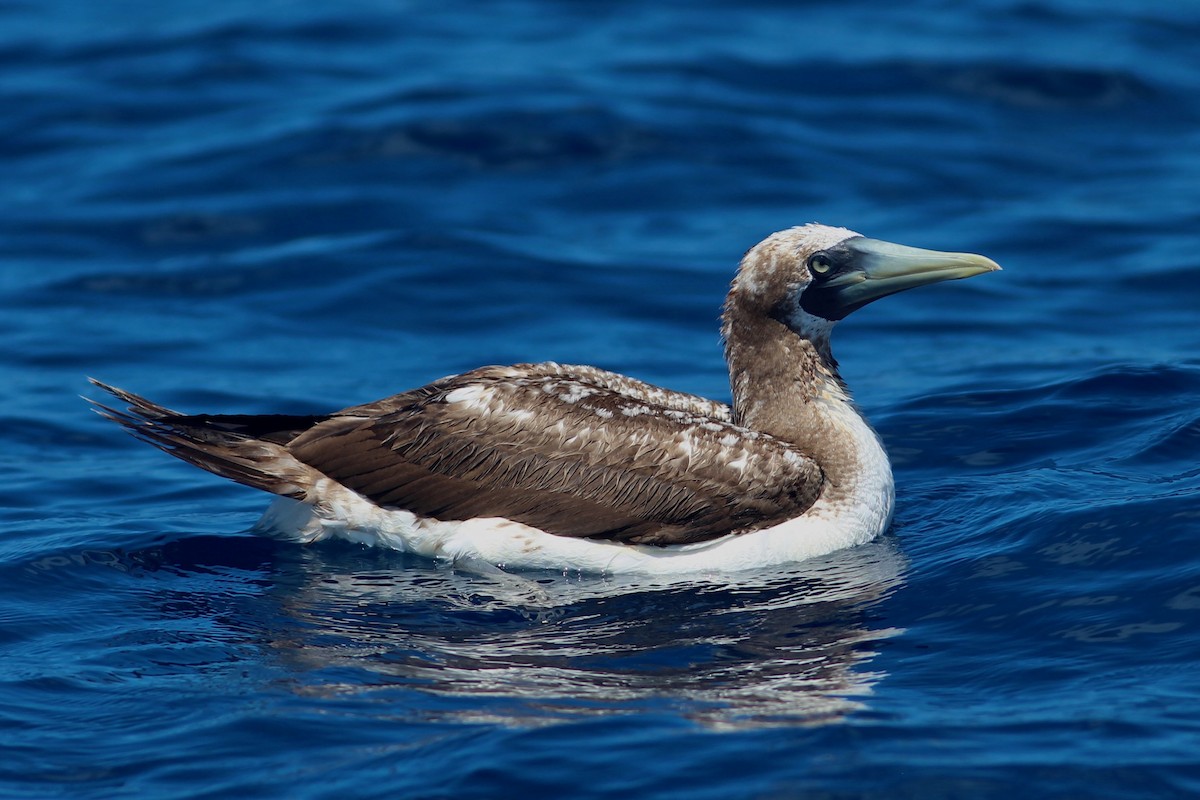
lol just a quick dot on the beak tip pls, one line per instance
(988, 265)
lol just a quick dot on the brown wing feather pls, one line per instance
(576, 453)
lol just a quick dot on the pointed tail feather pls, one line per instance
(226, 446)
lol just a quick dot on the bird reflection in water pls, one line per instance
(787, 646)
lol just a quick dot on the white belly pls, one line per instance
(504, 543)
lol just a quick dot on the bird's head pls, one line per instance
(811, 276)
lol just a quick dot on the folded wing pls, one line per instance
(571, 451)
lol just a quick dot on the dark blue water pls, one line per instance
(294, 207)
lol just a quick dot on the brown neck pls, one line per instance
(787, 385)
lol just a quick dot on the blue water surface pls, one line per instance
(294, 207)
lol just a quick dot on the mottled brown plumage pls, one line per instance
(623, 460)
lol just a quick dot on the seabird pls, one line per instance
(549, 466)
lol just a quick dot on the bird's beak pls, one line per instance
(863, 270)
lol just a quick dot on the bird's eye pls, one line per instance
(819, 263)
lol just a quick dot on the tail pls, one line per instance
(249, 449)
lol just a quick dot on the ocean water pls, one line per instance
(293, 207)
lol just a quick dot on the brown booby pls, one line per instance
(575, 468)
